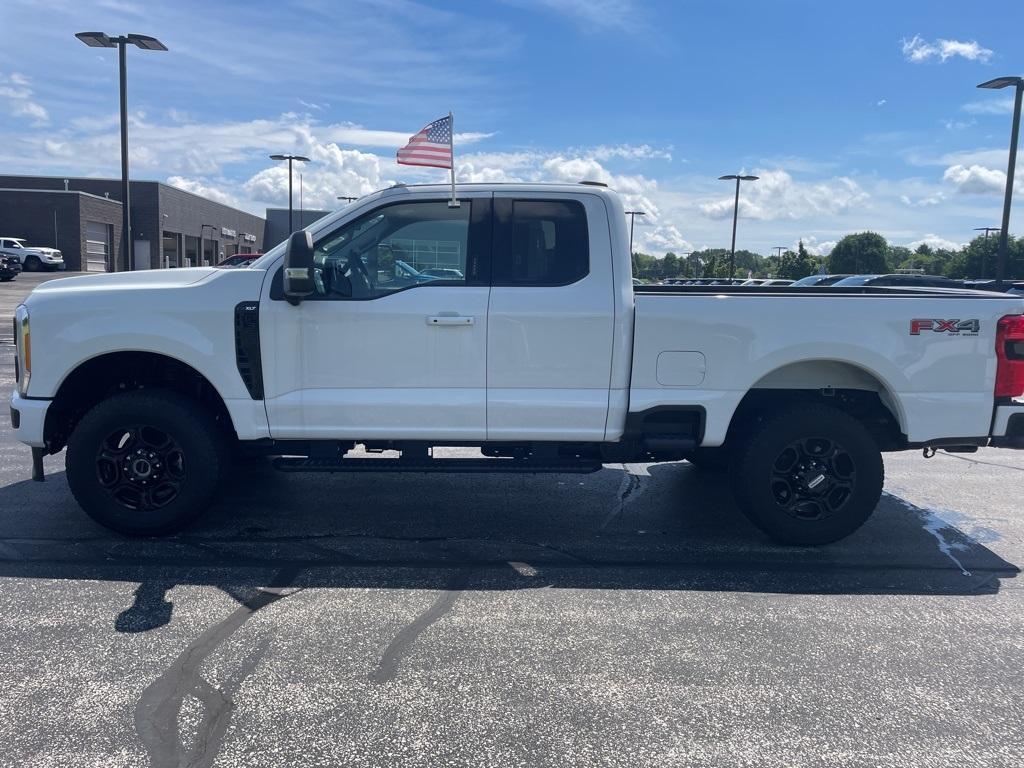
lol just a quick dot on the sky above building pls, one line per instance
(855, 115)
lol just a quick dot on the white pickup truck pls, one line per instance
(533, 345)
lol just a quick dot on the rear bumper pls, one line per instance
(28, 417)
(1008, 427)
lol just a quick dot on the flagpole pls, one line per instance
(453, 203)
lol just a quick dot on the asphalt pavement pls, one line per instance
(626, 618)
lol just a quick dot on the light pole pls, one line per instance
(347, 198)
(290, 158)
(632, 217)
(984, 251)
(779, 249)
(1018, 83)
(735, 216)
(146, 43)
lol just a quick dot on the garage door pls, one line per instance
(97, 246)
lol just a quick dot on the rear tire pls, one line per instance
(33, 264)
(145, 463)
(810, 475)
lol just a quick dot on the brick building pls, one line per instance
(170, 227)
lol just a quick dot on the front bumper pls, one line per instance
(1008, 427)
(28, 417)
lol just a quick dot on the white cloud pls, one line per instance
(205, 190)
(660, 239)
(333, 171)
(958, 125)
(935, 243)
(918, 50)
(975, 179)
(19, 101)
(990, 107)
(629, 152)
(814, 247)
(615, 15)
(881, 102)
(37, 112)
(922, 202)
(777, 196)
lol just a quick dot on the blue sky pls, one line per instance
(856, 115)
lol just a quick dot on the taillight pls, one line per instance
(1010, 354)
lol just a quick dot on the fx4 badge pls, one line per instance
(952, 327)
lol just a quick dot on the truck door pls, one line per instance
(385, 349)
(551, 317)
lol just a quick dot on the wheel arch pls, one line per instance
(847, 386)
(97, 378)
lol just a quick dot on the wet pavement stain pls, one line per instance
(158, 711)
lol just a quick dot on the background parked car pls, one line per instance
(443, 273)
(10, 267)
(1015, 287)
(901, 281)
(820, 280)
(777, 281)
(32, 258)
(239, 260)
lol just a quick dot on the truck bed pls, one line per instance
(803, 291)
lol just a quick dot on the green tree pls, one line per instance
(670, 266)
(796, 264)
(862, 253)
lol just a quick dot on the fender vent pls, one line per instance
(247, 347)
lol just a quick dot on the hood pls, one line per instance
(140, 280)
(41, 250)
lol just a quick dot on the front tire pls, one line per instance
(145, 463)
(33, 264)
(810, 475)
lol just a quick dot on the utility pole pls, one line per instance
(735, 215)
(146, 43)
(290, 158)
(997, 83)
(984, 250)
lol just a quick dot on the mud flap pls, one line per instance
(37, 465)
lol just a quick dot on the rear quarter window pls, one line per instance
(541, 243)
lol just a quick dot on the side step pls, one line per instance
(508, 466)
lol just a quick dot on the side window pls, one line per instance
(542, 243)
(390, 249)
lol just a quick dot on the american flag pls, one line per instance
(431, 146)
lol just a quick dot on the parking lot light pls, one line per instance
(735, 215)
(1018, 84)
(290, 159)
(146, 43)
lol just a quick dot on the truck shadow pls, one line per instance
(663, 526)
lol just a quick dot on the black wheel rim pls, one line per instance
(813, 478)
(141, 467)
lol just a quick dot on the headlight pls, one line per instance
(23, 341)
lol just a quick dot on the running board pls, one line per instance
(508, 466)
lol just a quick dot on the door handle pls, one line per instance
(450, 320)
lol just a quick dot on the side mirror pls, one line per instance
(298, 267)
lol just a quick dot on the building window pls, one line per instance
(191, 251)
(171, 249)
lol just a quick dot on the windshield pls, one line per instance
(811, 280)
(855, 280)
